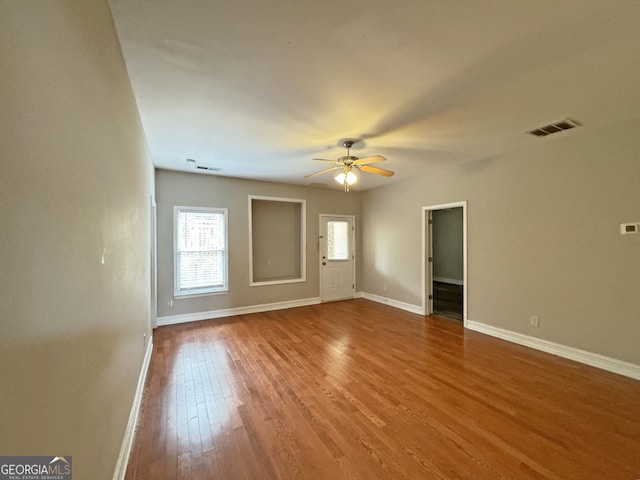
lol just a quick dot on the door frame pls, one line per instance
(353, 250)
(153, 313)
(427, 251)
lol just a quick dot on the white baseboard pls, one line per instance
(599, 361)
(229, 312)
(392, 303)
(452, 281)
(127, 442)
(595, 360)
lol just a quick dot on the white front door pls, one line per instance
(337, 257)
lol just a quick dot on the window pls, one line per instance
(200, 246)
(338, 240)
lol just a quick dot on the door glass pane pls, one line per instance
(338, 240)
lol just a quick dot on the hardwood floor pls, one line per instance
(359, 390)
(447, 300)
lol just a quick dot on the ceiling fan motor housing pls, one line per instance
(348, 159)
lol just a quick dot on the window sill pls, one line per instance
(192, 294)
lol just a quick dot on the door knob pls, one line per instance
(324, 263)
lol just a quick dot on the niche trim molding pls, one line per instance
(277, 253)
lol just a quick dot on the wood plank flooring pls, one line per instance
(447, 300)
(358, 390)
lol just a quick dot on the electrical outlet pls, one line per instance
(170, 303)
(629, 228)
(535, 321)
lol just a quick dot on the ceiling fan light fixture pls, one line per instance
(348, 177)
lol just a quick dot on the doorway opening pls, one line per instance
(444, 263)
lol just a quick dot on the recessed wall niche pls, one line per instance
(276, 240)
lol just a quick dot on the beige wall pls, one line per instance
(189, 189)
(75, 186)
(543, 238)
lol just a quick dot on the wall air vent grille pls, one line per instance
(555, 127)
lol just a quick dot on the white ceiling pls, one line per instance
(260, 87)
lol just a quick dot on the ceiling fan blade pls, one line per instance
(325, 160)
(367, 160)
(326, 170)
(376, 170)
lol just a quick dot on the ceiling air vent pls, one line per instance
(210, 169)
(193, 163)
(555, 127)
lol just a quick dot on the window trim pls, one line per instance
(202, 291)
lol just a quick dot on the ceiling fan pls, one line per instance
(347, 163)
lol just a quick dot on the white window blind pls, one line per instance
(338, 240)
(201, 250)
